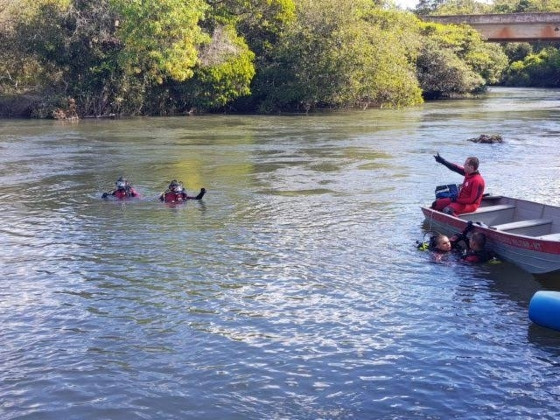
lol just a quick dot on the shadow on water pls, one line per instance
(549, 281)
(508, 283)
(545, 339)
(520, 286)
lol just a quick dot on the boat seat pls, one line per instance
(487, 209)
(523, 225)
(551, 237)
(491, 215)
(492, 197)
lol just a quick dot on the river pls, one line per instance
(292, 290)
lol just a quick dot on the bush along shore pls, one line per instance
(69, 60)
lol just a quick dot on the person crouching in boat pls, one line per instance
(472, 189)
(175, 193)
(122, 191)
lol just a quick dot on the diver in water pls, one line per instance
(470, 249)
(175, 193)
(123, 190)
(439, 245)
(474, 250)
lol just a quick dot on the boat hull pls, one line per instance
(534, 255)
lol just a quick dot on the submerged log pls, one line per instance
(490, 139)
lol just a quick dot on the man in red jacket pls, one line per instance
(470, 194)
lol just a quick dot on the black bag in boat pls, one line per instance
(447, 191)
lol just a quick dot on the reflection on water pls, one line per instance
(294, 290)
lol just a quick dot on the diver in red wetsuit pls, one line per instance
(124, 190)
(470, 194)
(475, 251)
(175, 193)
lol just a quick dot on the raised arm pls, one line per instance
(452, 166)
(199, 196)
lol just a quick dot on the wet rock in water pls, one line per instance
(490, 139)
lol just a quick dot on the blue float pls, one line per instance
(544, 309)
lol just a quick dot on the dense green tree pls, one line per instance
(524, 6)
(462, 7)
(540, 69)
(427, 7)
(160, 38)
(175, 56)
(116, 56)
(75, 44)
(17, 71)
(455, 61)
(486, 59)
(517, 51)
(442, 74)
(224, 72)
(341, 53)
(259, 23)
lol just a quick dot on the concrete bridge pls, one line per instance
(512, 27)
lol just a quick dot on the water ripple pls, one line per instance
(294, 290)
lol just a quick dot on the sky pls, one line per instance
(407, 4)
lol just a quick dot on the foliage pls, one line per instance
(540, 69)
(487, 60)
(258, 21)
(164, 57)
(224, 73)
(395, 48)
(442, 74)
(528, 66)
(462, 7)
(226, 77)
(517, 51)
(19, 72)
(75, 46)
(524, 6)
(455, 61)
(337, 54)
(427, 7)
(159, 37)
(115, 56)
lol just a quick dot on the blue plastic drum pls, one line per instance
(544, 309)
